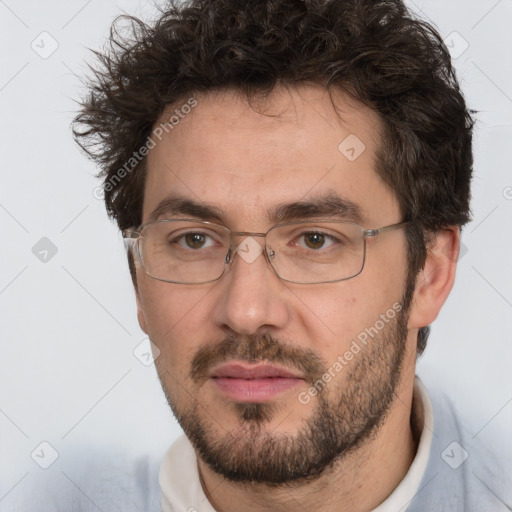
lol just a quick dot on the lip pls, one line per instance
(253, 383)
(241, 370)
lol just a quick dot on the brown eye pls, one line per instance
(195, 240)
(314, 240)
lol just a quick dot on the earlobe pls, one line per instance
(435, 281)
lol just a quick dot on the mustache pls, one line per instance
(255, 349)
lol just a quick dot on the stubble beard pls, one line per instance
(342, 420)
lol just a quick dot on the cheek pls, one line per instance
(174, 318)
(385, 273)
(333, 315)
(169, 307)
(327, 311)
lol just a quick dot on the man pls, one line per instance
(290, 178)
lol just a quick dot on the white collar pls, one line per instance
(181, 488)
(401, 497)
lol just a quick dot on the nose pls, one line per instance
(252, 299)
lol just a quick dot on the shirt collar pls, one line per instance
(423, 417)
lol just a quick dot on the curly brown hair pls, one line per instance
(376, 50)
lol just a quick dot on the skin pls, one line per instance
(226, 154)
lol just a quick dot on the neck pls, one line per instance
(358, 482)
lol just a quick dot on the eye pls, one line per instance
(315, 240)
(194, 240)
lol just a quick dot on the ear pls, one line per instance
(435, 281)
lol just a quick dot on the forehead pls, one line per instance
(246, 159)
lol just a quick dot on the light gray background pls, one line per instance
(68, 328)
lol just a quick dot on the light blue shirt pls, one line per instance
(452, 472)
(461, 475)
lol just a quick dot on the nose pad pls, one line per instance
(267, 252)
(228, 259)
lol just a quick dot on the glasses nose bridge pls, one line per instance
(232, 250)
(246, 234)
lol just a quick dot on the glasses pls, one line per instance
(187, 251)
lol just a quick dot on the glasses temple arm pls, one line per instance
(385, 229)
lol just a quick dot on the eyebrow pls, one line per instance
(175, 205)
(329, 205)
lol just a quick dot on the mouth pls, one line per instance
(251, 383)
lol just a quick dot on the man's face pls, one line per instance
(238, 356)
